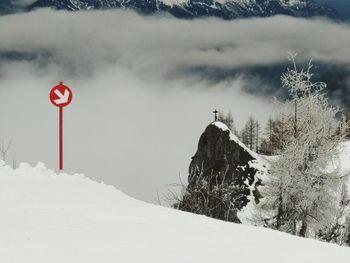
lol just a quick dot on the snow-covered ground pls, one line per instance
(47, 217)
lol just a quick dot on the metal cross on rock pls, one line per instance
(215, 114)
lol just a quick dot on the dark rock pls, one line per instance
(221, 161)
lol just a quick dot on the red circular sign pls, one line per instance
(61, 95)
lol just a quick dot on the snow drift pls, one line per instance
(48, 217)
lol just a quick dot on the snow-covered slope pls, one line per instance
(47, 217)
(226, 9)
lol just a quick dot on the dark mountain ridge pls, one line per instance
(230, 9)
(225, 9)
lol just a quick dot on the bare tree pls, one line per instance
(4, 148)
(249, 133)
(257, 136)
(14, 163)
(301, 186)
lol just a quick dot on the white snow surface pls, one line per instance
(47, 217)
(174, 2)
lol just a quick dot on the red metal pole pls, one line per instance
(61, 137)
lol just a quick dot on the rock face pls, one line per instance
(223, 175)
(226, 9)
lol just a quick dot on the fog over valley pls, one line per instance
(145, 87)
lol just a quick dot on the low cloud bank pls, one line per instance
(144, 87)
(99, 38)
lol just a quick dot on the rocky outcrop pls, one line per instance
(224, 175)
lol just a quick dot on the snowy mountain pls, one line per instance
(226, 9)
(48, 217)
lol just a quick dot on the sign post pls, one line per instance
(61, 96)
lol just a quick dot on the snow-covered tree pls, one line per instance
(277, 134)
(266, 145)
(339, 233)
(303, 187)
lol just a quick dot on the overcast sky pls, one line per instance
(139, 107)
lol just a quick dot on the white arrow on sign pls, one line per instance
(63, 98)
